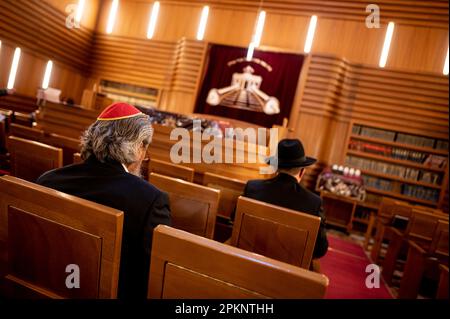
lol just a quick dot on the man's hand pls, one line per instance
(11, 91)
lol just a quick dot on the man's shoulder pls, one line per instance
(138, 183)
(313, 197)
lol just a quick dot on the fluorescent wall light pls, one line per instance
(202, 24)
(310, 35)
(112, 16)
(387, 44)
(259, 28)
(251, 49)
(47, 75)
(80, 9)
(14, 66)
(153, 19)
(445, 70)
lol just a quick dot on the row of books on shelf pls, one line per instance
(429, 160)
(409, 173)
(415, 191)
(392, 136)
(420, 192)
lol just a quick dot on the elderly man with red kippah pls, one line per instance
(113, 149)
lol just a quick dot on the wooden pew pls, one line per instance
(193, 207)
(30, 159)
(67, 144)
(386, 212)
(221, 271)
(419, 259)
(421, 229)
(230, 190)
(442, 292)
(77, 158)
(5, 124)
(171, 170)
(276, 232)
(42, 231)
(26, 132)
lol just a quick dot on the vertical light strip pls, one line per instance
(310, 35)
(47, 75)
(14, 66)
(259, 28)
(202, 24)
(153, 19)
(445, 70)
(251, 49)
(112, 16)
(386, 45)
(80, 10)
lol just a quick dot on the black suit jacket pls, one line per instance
(284, 190)
(144, 207)
(3, 92)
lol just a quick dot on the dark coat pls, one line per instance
(3, 92)
(284, 190)
(144, 207)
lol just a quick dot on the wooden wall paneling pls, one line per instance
(341, 28)
(337, 92)
(131, 60)
(40, 30)
(90, 12)
(184, 83)
(429, 13)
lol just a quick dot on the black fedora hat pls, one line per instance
(290, 153)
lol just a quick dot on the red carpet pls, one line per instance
(345, 265)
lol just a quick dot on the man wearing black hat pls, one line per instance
(285, 190)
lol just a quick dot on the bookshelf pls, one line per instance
(396, 163)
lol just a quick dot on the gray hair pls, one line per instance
(118, 140)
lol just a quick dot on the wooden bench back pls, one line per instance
(184, 265)
(422, 226)
(26, 132)
(193, 207)
(230, 190)
(47, 236)
(171, 170)
(30, 159)
(439, 244)
(275, 232)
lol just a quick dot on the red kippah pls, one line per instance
(118, 111)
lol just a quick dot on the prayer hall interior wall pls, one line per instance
(420, 37)
(172, 61)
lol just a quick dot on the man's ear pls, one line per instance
(302, 172)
